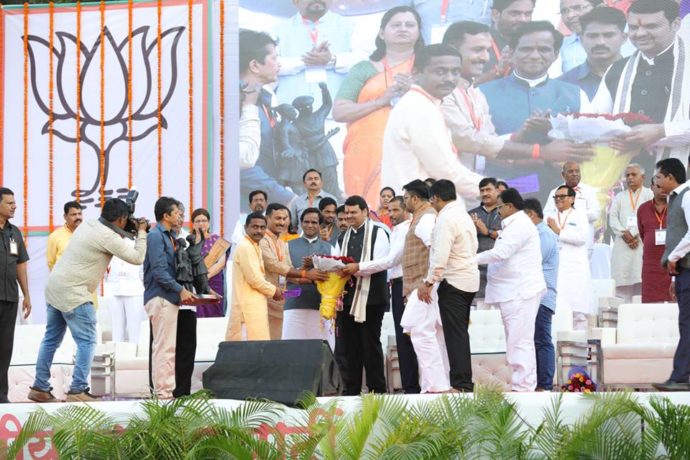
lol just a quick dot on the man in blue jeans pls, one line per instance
(543, 344)
(69, 295)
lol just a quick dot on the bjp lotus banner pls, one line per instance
(98, 98)
(107, 107)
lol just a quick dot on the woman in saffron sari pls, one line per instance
(213, 251)
(367, 94)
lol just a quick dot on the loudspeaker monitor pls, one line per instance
(277, 370)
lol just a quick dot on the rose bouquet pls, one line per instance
(331, 290)
(579, 382)
(605, 168)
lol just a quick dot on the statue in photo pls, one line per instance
(292, 156)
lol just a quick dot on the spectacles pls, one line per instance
(501, 205)
(560, 197)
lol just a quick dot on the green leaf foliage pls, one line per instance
(484, 425)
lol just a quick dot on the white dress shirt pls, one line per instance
(453, 254)
(391, 261)
(514, 263)
(683, 246)
(381, 245)
(417, 143)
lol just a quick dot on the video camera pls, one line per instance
(132, 225)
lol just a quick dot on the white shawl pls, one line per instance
(359, 301)
(678, 109)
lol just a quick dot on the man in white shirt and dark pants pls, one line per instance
(453, 264)
(516, 284)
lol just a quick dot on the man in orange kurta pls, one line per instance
(250, 289)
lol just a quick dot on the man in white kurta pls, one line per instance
(416, 142)
(585, 198)
(626, 258)
(515, 282)
(574, 283)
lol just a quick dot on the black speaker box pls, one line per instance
(277, 370)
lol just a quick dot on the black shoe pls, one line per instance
(4, 400)
(670, 385)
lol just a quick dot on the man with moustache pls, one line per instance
(57, 241)
(488, 222)
(329, 228)
(416, 142)
(466, 110)
(602, 36)
(249, 308)
(626, 257)
(393, 263)
(311, 198)
(315, 46)
(13, 273)
(358, 324)
(301, 317)
(341, 219)
(506, 17)
(278, 264)
(655, 81)
(258, 200)
(258, 67)
(513, 100)
(572, 52)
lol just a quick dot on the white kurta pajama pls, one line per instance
(515, 282)
(626, 263)
(574, 278)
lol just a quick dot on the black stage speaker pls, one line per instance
(277, 370)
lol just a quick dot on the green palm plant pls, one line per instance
(666, 428)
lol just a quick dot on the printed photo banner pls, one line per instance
(136, 116)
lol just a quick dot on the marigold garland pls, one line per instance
(222, 116)
(25, 203)
(159, 13)
(102, 140)
(51, 101)
(190, 51)
(78, 112)
(130, 68)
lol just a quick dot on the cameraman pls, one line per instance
(163, 295)
(69, 295)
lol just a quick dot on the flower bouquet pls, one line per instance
(579, 382)
(332, 289)
(607, 165)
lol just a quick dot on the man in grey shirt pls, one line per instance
(69, 295)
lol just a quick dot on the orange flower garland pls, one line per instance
(102, 143)
(130, 68)
(51, 100)
(78, 114)
(190, 51)
(222, 117)
(159, 11)
(25, 202)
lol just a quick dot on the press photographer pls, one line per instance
(68, 294)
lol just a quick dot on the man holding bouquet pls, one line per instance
(358, 325)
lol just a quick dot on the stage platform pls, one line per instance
(531, 406)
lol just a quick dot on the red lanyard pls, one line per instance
(660, 217)
(174, 244)
(476, 121)
(388, 72)
(271, 120)
(633, 204)
(312, 29)
(274, 245)
(428, 96)
(497, 52)
(444, 10)
(564, 220)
